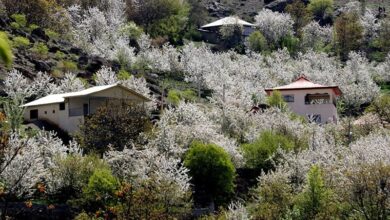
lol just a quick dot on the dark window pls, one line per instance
(315, 118)
(54, 111)
(288, 98)
(34, 114)
(62, 106)
(85, 109)
(312, 99)
(45, 112)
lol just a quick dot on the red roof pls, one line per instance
(303, 83)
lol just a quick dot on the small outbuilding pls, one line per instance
(211, 32)
(313, 101)
(68, 110)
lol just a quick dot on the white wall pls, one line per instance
(71, 123)
(52, 113)
(328, 112)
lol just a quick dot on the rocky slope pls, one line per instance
(60, 56)
(247, 9)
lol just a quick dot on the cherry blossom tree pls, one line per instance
(179, 127)
(165, 176)
(315, 36)
(274, 25)
(100, 32)
(70, 83)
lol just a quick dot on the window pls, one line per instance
(312, 99)
(54, 111)
(85, 109)
(45, 112)
(314, 118)
(288, 98)
(62, 106)
(34, 114)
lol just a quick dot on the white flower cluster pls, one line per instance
(27, 162)
(274, 25)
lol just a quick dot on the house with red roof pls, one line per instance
(313, 101)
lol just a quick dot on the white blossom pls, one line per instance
(274, 25)
(315, 36)
(70, 83)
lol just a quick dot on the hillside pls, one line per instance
(247, 9)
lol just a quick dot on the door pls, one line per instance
(85, 109)
(34, 114)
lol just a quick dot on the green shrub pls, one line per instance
(74, 172)
(21, 42)
(257, 42)
(259, 154)
(67, 66)
(212, 171)
(32, 27)
(276, 100)
(20, 21)
(113, 124)
(189, 95)
(52, 34)
(132, 30)
(101, 188)
(321, 9)
(124, 75)
(101, 184)
(60, 55)
(381, 107)
(5, 49)
(40, 49)
(275, 197)
(174, 97)
(291, 43)
(316, 200)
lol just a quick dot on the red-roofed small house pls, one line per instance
(314, 101)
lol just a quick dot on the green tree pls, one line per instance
(198, 13)
(300, 14)
(257, 42)
(212, 171)
(367, 191)
(321, 10)
(316, 200)
(166, 18)
(381, 107)
(260, 154)
(14, 114)
(274, 197)
(276, 100)
(384, 36)
(231, 35)
(73, 173)
(100, 191)
(113, 124)
(349, 34)
(45, 13)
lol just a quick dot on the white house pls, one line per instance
(67, 110)
(315, 101)
(211, 31)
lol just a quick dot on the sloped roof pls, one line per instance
(303, 83)
(58, 98)
(228, 21)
